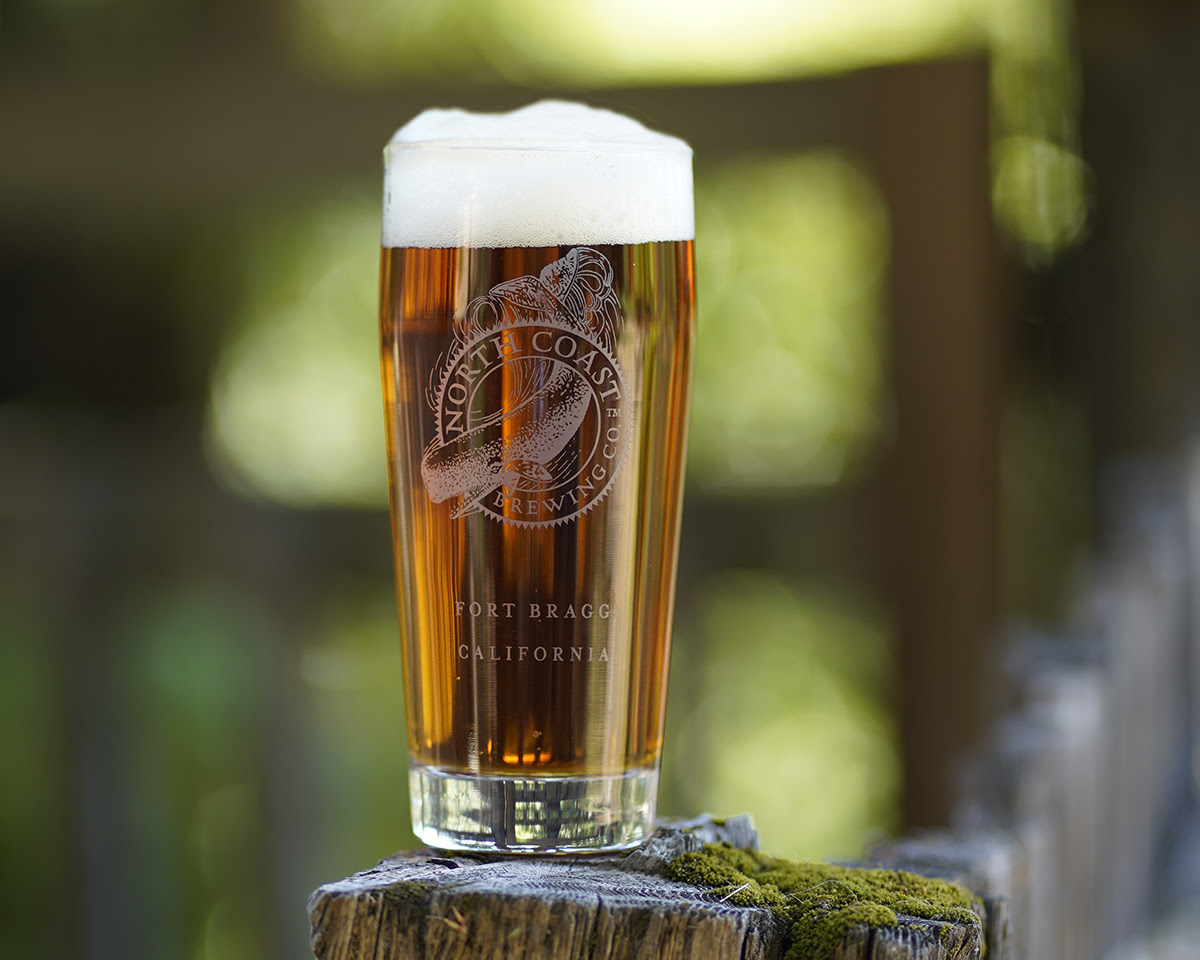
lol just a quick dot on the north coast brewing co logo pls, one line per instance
(531, 410)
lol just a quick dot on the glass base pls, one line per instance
(457, 811)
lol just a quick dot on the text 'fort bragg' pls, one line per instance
(540, 654)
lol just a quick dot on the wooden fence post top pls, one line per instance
(424, 904)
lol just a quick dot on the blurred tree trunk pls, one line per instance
(1134, 289)
(927, 136)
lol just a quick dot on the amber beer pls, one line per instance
(536, 402)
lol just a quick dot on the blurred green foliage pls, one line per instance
(199, 686)
(791, 258)
(350, 669)
(589, 42)
(1040, 184)
(779, 705)
(295, 414)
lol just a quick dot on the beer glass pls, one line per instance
(536, 326)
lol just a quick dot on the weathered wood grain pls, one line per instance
(423, 904)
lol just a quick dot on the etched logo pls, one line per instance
(530, 404)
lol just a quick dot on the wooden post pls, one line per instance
(925, 133)
(425, 904)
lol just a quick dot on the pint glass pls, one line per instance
(536, 325)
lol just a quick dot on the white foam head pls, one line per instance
(549, 174)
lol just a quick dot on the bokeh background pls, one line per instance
(947, 257)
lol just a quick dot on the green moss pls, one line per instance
(820, 902)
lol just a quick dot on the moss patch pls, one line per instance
(820, 902)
